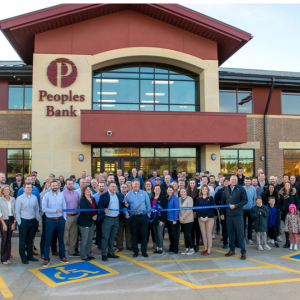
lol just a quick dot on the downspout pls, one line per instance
(266, 123)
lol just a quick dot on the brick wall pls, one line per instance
(13, 125)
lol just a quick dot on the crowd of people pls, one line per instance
(75, 214)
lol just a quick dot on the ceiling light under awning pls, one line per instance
(108, 80)
(162, 82)
(107, 93)
(156, 94)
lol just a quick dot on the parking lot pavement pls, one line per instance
(265, 274)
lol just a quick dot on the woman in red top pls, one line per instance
(86, 221)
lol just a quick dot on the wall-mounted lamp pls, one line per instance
(213, 156)
(26, 136)
(80, 157)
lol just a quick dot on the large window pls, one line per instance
(290, 102)
(291, 162)
(146, 87)
(232, 159)
(18, 161)
(235, 100)
(20, 95)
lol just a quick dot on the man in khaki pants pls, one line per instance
(71, 227)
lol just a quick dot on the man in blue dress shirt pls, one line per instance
(35, 191)
(53, 205)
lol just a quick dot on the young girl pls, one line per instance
(259, 213)
(292, 225)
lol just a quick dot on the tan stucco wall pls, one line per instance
(207, 164)
(56, 140)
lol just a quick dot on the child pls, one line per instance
(259, 213)
(272, 221)
(292, 225)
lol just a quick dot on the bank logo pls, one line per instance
(62, 72)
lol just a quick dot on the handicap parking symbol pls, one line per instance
(72, 272)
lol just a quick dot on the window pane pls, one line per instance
(161, 92)
(27, 153)
(120, 91)
(96, 152)
(291, 153)
(183, 77)
(120, 75)
(111, 166)
(96, 106)
(247, 166)
(147, 68)
(162, 152)
(147, 107)
(160, 68)
(229, 166)
(15, 98)
(290, 104)
(245, 153)
(96, 90)
(183, 164)
(28, 98)
(15, 154)
(177, 70)
(14, 167)
(147, 76)
(96, 165)
(120, 107)
(147, 152)
(131, 67)
(147, 165)
(182, 108)
(182, 92)
(161, 107)
(245, 102)
(291, 166)
(183, 152)
(27, 167)
(161, 77)
(228, 153)
(161, 164)
(147, 92)
(118, 151)
(227, 102)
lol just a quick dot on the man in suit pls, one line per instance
(110, 223)
(119, 173)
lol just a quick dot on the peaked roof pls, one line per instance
(20, 30)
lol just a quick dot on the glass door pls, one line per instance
(128, 163)
(110, 164)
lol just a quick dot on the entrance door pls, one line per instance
(112, 164)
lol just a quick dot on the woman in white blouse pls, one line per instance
(7, 222)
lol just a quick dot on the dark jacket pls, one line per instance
(104, 203)
(16, 188)
(209, 212)
(266, 184)
(241, 181)
(164, 188)
(85, 217)
(260, 214)
(163, 202)
(285, 200)
(238, 198)
(266, 196)
(122, 216)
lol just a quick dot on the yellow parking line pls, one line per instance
(185, 259)
(218, 270)
(4, 289)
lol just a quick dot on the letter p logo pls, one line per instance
(62, 72)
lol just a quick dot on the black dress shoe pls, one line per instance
(286, 245)
(32, 259)
(159, 252)
(135, 255)
(145, 254)
(112, 256)
(243, 256)
(25, 261)
(155, 251)
(104, 258)
(91, 257)
(196, 248)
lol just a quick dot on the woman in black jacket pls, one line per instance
(287, 196)
(270, 191)
(158, 224)
(86, 221)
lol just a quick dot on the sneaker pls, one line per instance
(276, 245)
(295, 247)
(185, 252)
(64, 261)
(250, 242)
(272, 241)
(266, 247)
(291, 246)
(260, 248)
(269, 241)
(190, 252)
(279, 239)
(213, 236)
(46, 264)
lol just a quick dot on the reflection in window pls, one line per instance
(235, 100)
(145, 86)
(183, 164)
(290, 102)
(232, 159)
(291, 162)
(20, 95)
(18, 161)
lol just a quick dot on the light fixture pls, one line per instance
(26, 136)
(183, 106)
(262, 158)
(108, 100)
(108, 80)
(108, 105)
(149, 101)
(213, 156)
(80, 157)
(162, 82)
(107, 93)
(156, 94)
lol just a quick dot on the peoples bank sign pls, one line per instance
(62, 73)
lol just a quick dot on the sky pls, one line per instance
(275, 29)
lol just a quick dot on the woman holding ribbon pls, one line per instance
(158, 223)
